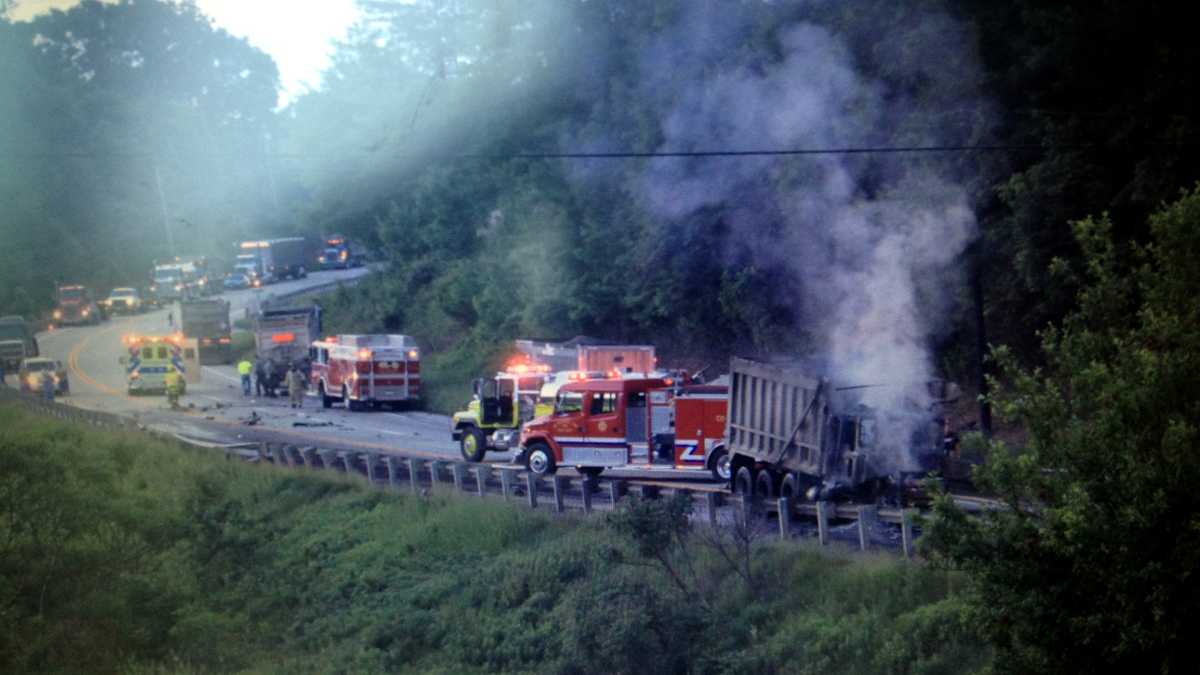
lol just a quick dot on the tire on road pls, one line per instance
(720, 465)
(743, 481)
(473, 444)
(539, 459)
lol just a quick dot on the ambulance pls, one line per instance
(150, 357)
(365, 370)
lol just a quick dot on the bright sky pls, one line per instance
(298, 35)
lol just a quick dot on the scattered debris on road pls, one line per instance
(253, 419)
(302, 423)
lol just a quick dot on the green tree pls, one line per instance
(1092, 565)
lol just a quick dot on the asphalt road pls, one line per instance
(214, 409)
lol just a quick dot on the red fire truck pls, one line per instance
(631, 423)
(365, 370)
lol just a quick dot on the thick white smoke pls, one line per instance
(875, 240)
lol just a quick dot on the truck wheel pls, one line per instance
(721, 465)
(350, 405)
(791, 487)
(540, 459)
(326, 399)
(764, 485)
(473, 444)
(743, 482)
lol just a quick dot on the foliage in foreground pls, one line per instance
(1093, 565)
(125, 554)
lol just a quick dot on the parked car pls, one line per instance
(31, 371)
(236, 281)
(124, 300)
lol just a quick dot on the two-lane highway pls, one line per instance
(214, 408)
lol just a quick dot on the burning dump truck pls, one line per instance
(792, 434)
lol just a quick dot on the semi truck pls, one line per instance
(207, 321)
(340, 252)
(173, 280)
(793, 433)
(17, 342)
(76, 307)
(283, 337)
(271, 260)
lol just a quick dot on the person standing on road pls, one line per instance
(171, 320)
(174, 388)
(269, 371)
(295, 385)
(244, 368)
(260, 377)
(48, 385)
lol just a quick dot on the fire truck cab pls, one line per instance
(365, 370)
(628, 423)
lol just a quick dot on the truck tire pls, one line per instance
(792, 488)
(721, 465)
(473, 444)
(326, 399)
(764, 484)
(351, 405)
(539, 459)
(743, 481)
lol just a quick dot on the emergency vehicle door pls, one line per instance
(637, 417)
(604, 437)
(191, 360)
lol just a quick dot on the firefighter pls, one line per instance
(295, 385)
(245, 368)
(174, 388)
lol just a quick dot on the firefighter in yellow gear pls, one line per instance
(295, 385)
(174, 384)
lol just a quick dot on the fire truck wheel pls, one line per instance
(351, 405)
(721, 465)
(764, 485)
(473, 445)
(326, 399)
(540, 459)
(743, 482)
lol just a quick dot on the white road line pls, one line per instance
(209, 369)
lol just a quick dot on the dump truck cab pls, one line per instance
(499, 406)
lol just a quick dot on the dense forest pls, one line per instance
(139, 129)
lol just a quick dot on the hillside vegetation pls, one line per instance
(126, 554)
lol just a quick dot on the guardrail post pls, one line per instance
(308, 457)
(785, 517)
(560, 485)
(616, 490)
(906, 533)
(393, 479)
(435, 467)
(586, 486)
(457, 469)
(371, 458)
(531, 482)
(482, 473)
(866, 520)
(506, 477)
(263, 451)
(823, 522)
(745, 511)
(413, 478)
(711, 500)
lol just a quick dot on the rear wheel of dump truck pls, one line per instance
(764, 484)
(793, 487)
(743, 481)
(473, 444)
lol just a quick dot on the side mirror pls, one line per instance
(123, 360)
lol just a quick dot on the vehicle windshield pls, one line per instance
(568, 402)
(70, 294)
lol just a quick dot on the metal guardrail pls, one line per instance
(423, 476)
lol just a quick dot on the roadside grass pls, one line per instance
(136, 555)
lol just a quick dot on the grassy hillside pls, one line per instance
(122, 554)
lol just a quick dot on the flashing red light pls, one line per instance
(364, 353)
(614, 374)
(669, 381)
(224, 340)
